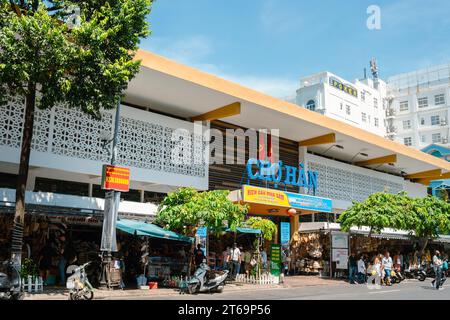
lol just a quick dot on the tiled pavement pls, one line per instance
(57, 293)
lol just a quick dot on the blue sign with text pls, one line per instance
(285, 231)
(306, 202)
(273, 172)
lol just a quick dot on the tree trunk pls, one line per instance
(19, 217)
(422, 251)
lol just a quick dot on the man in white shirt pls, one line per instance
(235, 259)
(386, 264)
(361, 270)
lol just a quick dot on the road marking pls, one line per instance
(388, 291)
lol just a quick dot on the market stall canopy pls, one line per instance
(245, 230)
(150, 230)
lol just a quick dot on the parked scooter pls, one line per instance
(78, 283)
(10, 282)
(416, 273)
(207, 280)
(396, 276)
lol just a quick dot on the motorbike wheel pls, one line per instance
(219, 289)
(192, 288)
(421, 277)
(88, 295)
(73, 296)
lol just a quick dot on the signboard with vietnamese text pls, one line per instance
(285, 232)
(343, 87)
(280, 198)
(275, 259)
(115, 178)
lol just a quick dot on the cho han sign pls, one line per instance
(115, 178)
(282, 174)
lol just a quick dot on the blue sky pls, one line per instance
(269, 44)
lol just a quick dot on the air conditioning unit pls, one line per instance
(444, 140)
(443, 122)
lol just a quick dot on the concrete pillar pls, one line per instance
(91, 187)
(294, 224)
(302, 158)
(142, 195)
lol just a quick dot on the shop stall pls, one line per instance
(160, 255)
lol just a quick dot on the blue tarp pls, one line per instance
(245, 230)
(147, 229)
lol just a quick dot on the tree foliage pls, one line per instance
(267, 227)
(87, 66)
(187, 209)
(425, 217)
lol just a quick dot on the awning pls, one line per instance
(150, 230)
(245, 230)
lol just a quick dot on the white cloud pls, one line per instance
(278, 19)
(196, 50)
(187, 50)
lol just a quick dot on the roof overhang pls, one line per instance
(167, 86)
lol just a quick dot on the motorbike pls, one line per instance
(417, 273)
(396, 276)
(207, 280)
(78, 284)
(10, 282)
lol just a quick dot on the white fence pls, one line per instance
(30, 286)
(263, 279)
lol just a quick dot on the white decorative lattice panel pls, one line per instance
(78, 135)
(11, 122)
(41, 130)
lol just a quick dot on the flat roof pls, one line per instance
(170, 87)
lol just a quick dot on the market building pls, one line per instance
(160, 129)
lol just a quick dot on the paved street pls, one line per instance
(409, 290)
(294, 288)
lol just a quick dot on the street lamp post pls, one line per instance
(112, 201)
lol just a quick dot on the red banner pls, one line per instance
(115, 178)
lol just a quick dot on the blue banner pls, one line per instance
(302, 201)
(285, 233)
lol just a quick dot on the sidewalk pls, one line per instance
(56, 293)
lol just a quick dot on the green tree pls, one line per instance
(186, 209)
(267, 227)
(378, 211)
(46, 61)
(430, 217)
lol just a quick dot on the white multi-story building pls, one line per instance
(419, 103)
(360, 103)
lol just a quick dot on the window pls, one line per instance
(377, 122)
(363, 95)
(436, 137)
(422, 121)
(311, 105)
(422, 102)
(342, 106)
(435, 121)
(407, 124)
(439, 99)
(8, 180)
(404, 106)
(407, 141)
(364, 117)
(348, 110)
(423, 138)
(375, 102)
(61, 186)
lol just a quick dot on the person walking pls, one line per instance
(386, 264)
(235, 257)
(199, 255)
(352, 268)
(226, 258)
(361, 276)
(437, 265)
